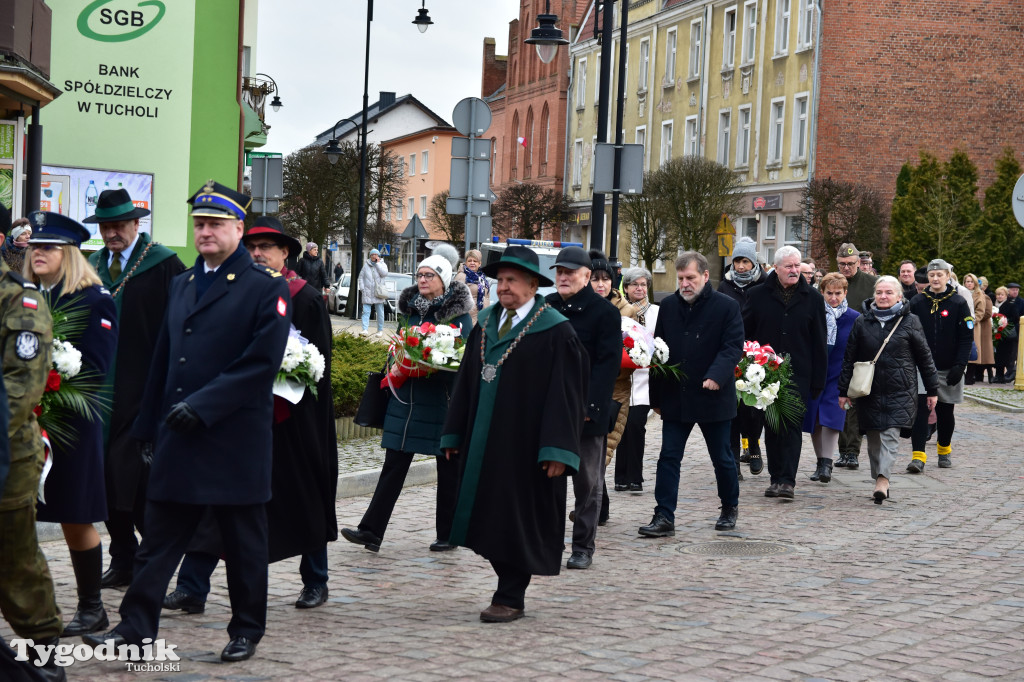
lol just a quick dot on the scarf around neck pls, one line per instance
(482, 286)
(742, 279)
(425, 305)
(832, 316)
(884, 316)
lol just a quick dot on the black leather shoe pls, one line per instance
(621, 487)
(756, 463)
(88, 618)
(851, 462)
(825, 475)
(238, 649)
(945, 462)
(772, 490)
(579, 560)
(362, 537)
(441, 546)
(115, 577)
(786, 491)
(636, 487)
(916, 466)
(183, 601)
(311, 597)
(727, 521)
(96, 639)
(841, 462)
(659, 527)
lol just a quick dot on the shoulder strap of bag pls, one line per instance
(879, 353)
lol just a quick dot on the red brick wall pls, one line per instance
(898, 76)
(494, 69)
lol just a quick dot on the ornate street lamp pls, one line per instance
(333, 149)
(546, 37)
(275, 103)
(422, 19)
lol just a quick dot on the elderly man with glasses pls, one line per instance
(861, 288)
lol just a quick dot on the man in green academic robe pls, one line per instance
(514, 422)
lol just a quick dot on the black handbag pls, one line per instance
(374, 403)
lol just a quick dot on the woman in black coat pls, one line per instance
(891, 406)
(75, 491)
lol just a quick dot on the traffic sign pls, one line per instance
(464, 147)
(631, 169)
(472, 116)
(458, 206)
(478, 187)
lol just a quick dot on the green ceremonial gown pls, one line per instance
(508, 510)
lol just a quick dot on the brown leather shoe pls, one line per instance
(499, 613)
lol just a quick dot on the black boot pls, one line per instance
(90, 616)
(824, 470)
(816, 476)
(51, 672)
(852, 462)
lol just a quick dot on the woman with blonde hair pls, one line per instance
(75, 490)
(471, 275)
(982, 306)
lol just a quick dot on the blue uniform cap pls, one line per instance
(217, 201)
(54, 228)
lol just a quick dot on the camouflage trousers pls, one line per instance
(26, 588)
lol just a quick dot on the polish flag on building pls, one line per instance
(522, 141)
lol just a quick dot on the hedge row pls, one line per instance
(351, 359)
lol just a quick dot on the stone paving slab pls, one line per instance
(928, 586)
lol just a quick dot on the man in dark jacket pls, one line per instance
(860, 287)
(907, 281)
(138, 272)
(704, 332)
(789, 315)
(744, 275)
(208, 411)
(312, 269)
(596, 322)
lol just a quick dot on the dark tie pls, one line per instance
(115, 267)
(506, 325)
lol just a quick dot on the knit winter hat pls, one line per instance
(745, 248)
(440, 265)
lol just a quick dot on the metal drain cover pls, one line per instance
(736, 549)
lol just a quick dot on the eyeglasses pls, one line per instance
(639, 285)
(426, 275)
(843, 265)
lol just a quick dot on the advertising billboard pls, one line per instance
(73, 192)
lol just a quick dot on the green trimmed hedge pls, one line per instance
(351, 358)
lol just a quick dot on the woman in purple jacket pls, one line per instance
(824, 419)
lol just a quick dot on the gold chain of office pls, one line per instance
(489, 372)
(124, 280)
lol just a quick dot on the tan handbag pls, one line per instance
(864, 372)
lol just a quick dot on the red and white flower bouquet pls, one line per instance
(764, 380)
(643, 350)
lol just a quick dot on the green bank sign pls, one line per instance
(111, 21)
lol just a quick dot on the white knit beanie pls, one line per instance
(441, 266)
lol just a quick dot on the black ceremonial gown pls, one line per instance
(508, 509)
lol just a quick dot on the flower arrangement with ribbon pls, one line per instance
(999, 324)
(643, 350)
(70, 392)
(764, 380)
(420, 350)
(302, 367)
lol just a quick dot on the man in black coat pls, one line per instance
(597, 323)
(208, 410)
(704, 332)
(789, 315)
(138, 272)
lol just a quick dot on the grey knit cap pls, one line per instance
(745, 248)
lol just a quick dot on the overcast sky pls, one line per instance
(315, 50)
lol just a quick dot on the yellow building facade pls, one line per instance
(732, 81)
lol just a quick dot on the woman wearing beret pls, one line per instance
(417, 409)
(75, 491)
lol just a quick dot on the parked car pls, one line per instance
(394, 282)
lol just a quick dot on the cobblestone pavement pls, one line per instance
(928, 586)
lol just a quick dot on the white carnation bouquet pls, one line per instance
(302, 367)
(643, 350)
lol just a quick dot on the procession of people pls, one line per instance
(209, 458)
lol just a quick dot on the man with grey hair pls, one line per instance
(704, 332)
(789, 315)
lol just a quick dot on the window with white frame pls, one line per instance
(769, 226)
(423, 205)
(645, 64)
(749, 31)
(743, 138)
(775, 130)
(750, 228)
(798, 152)
(398, 210)
(424, 165)
(640, 138)
(412, 164)
(724, 135)
(412, 207)
(696, 54)
(691, 136)
(593, 158)
(782, 27)
(577, 163)
(581, 83)
(387, 213)
(805, 25)
(666, 142)
(670, 56)
(794, 229)
(729, 38)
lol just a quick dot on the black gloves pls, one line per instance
(146, 452)
(956, 373)
(182, 418)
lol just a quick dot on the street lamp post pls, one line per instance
(275, 103)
